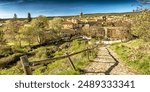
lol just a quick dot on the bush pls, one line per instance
(41, 53)
(2, 41)
(20, 50)
(140, 26)
(5, 51)
(64, 46)
(50, 50)
(139, 52)
(57, 54)
(10, 60)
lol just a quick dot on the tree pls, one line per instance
(29, 17)
(81, 14)
(140, 27)
(40, 24)
(56, 26)
(11, 32)
(15, 16)
(27, 34)
(141, 21)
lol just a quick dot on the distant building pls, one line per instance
(68, 25)
(76, 21)
(107, 27)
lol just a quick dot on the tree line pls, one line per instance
(30, 31)
(28, 17)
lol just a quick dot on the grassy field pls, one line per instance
(135, 53)
(59, 67)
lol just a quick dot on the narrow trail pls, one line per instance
(106, 63)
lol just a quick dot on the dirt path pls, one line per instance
(106, 63)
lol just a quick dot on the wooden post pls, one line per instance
(91, 52)
(71, 63)
(88, 53)
(26, 66)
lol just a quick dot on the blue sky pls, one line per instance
(63, 7)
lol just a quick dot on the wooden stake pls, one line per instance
(26, 65)
(88, 53)
(71, 63)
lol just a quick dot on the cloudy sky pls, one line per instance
(63, 7)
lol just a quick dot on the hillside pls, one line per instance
(135, 54)
(43, 38)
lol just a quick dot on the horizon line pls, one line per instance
(68, 14)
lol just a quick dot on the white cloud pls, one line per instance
(5, 3)
(10, 3)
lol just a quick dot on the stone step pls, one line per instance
(99, 67)
(105, 64)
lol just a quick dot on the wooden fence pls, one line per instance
(27, 65)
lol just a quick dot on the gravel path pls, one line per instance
(107, 63)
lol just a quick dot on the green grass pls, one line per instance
(15, 70)
(135, 54)
(63, 67)
(23, 43)
(40, 53)
(59, 67)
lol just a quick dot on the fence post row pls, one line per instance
(26, 65)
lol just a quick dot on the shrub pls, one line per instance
(40, 70)
(5, 51)
(135, 54)
(41, 53)
(140, 27)
(10, 59)
(139, 52)
(57, 54)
